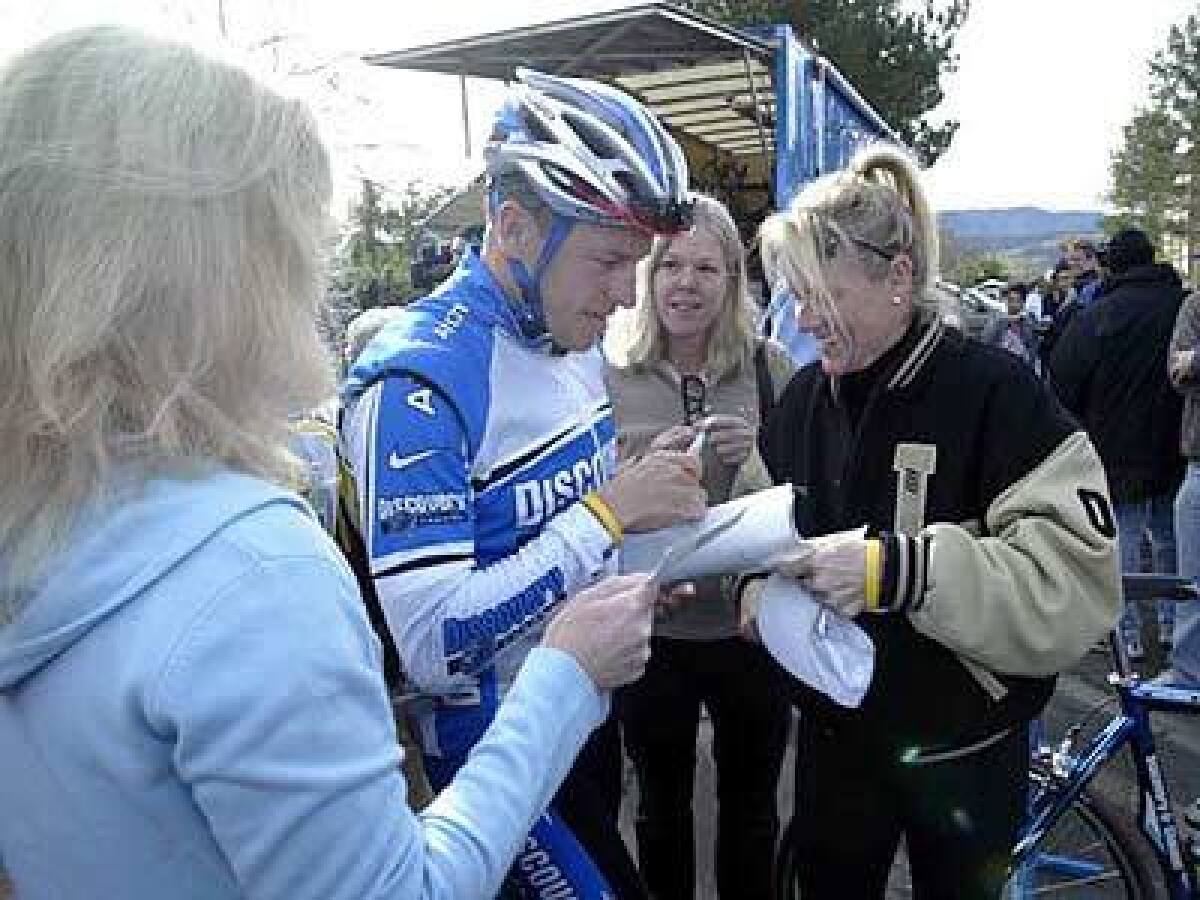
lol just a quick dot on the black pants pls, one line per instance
(746, 700)
(856, 798)
(589, 802)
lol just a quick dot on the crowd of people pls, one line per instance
(1109, 335)
(1117, 344)
(203, 695)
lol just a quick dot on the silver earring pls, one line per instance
(896, 301)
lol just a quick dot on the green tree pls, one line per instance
(950, 252)
(1144, 170)
(970, 269)
(373, 265)
(1155, 169)
(896, 56)
(1175, 86)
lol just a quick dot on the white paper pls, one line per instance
(764, 531)
(836, 657)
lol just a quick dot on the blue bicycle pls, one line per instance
(1078, 844)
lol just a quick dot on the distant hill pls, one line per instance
(1026, 236)
(1019, 222)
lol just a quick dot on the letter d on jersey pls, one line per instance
(531, 506)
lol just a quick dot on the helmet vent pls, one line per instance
(537, 130)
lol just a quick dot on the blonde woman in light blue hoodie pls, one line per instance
(191, 704)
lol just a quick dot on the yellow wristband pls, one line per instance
(874, 576)
(602, 511)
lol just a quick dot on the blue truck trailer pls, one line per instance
(757, 111)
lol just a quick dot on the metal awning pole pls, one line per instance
(762, 134)
(466, 114)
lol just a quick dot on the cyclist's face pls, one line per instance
(591, 275)
(691, 283)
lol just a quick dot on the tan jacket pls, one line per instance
(646, 401)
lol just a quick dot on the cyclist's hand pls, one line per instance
(832, 568)
(607, 629)
(656, 491)
(730, 437)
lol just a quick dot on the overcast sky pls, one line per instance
(1042, 92)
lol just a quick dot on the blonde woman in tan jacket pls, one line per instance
(690, 363)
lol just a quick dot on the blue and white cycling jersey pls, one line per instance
(470, 446)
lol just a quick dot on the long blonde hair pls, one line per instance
(731, 342)
(161, 218)
(876, 202)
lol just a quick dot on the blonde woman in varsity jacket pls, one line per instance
(689, 365)
(956, 512)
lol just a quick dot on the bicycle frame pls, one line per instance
(1068, 773)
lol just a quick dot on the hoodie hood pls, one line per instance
(103, 570)
(1159, 274)
(1137, 296)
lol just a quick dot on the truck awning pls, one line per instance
(463, 210)
(703, 79)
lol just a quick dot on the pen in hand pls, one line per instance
(696, 447)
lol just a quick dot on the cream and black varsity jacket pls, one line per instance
(1000, 561)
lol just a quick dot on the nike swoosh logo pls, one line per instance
(403, 462)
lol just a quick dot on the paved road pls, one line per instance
(1079, 694)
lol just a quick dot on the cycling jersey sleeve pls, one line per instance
(448, 614)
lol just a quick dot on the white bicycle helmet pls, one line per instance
(591, 152)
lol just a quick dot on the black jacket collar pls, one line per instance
(899, 367)
(1162, 274)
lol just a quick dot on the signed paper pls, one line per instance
(827, 652)
(764, 530)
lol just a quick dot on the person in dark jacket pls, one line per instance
(1059, 305)
(948, 504)
(1110, 369)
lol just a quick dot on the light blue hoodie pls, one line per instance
(191, 707)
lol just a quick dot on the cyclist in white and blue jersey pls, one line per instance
(483, 447)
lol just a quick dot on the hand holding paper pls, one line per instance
(832, 568)
(742, 536)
